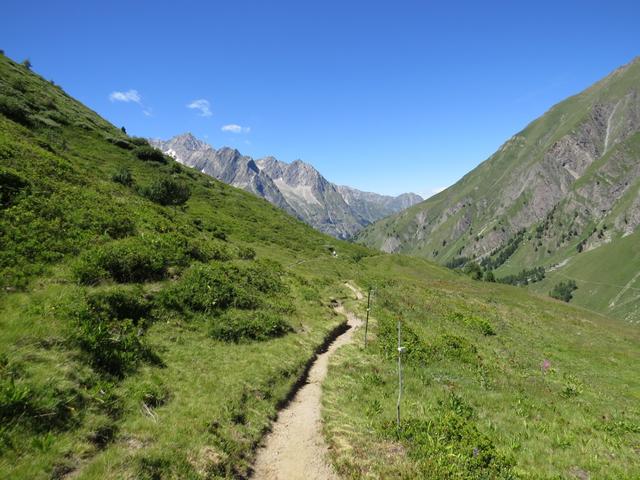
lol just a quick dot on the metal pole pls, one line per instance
(366, 323)
(400, 350)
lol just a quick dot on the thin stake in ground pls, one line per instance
(366, 322)
(401, 349)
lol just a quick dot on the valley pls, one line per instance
(156, 321)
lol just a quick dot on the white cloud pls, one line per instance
(233, 128)
(202, 105)
(128, 96)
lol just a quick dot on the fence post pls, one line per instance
(366, 322)
(400, 350)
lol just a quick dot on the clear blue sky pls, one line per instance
(384, 96)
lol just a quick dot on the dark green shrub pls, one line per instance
(123, 176)
(15, 110)
(205, 251)
(120, 142)
(246, 253)
(139, 141)
(11, 185)
(133, 259)
(118, 303)
(119, 225)
(473, 270)
(112, 347)
(149, 154)
(166, 191)
(240, 325)
(210, 287)
(106, 325)
(564, 290)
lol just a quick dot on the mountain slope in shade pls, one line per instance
(372, 206)
(296, 187)
(567, 184)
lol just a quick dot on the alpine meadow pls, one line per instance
(170, 310)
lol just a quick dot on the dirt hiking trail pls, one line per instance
(295, 448)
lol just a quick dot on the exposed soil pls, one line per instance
(295, 448)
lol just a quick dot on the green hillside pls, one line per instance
(153, 320)
(566, 184)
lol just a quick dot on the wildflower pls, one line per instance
(546, 365)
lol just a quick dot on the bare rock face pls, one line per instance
(296, 187)
(570, 178)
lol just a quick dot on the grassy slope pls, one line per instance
(607, 278)
(199, 411)
(217, 398)
(578, 418)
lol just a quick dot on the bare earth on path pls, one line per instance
(295, 448)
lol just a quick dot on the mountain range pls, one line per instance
(562, 194)
(296, 187)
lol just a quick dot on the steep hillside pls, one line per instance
(153, 320)
(567, 184)
(297, 187)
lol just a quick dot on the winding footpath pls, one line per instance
(295, 447)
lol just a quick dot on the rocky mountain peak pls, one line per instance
(296, 187)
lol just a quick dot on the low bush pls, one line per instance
(166, 191)
(564, 290)
(112, 347)
(215, 286)
(106, 327)
(123, 176)
(208, 288)
(120, 142)
(11, 185)
(15, 110)
(119, 303)
(139, 141)
(149, 154)
(246, 253)
(133, 259)
(239, 325)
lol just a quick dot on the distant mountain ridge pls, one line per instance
(296, 187)
(563, 194)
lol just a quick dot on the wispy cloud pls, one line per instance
(202, 105)
(131, 96)
(233, 128)
(128, 96)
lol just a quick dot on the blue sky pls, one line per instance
(384, 96)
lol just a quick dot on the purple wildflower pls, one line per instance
(546, 365)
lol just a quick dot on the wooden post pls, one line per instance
(400, 350)
(366, 322)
